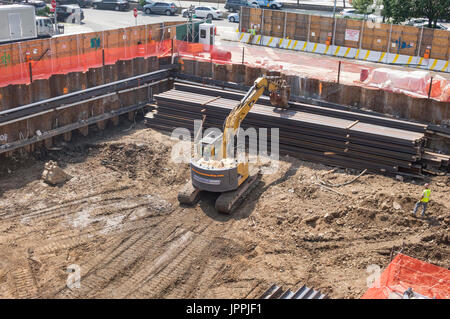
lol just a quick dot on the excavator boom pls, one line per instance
(225, 175)
(279, 97)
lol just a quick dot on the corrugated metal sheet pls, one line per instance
(276, 292)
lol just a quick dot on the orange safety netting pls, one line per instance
(20, 73)
(406, 272)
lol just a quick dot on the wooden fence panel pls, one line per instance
(301, 27)
(381, 38)
(291, 25)
(440, 44)
(355, 26)
(314, 29)
(278, 23)
(339, 33)
(267, 27)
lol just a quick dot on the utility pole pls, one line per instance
(54, 4)
(334, 8)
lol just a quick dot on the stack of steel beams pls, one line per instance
(307, 132)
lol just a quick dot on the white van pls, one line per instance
(45, 27)
(19, 23)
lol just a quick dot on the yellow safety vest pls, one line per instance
(426, 196)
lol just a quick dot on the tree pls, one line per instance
(402, 10)
(433, 10)
(398, 10)
(362, 6)
(386, 12)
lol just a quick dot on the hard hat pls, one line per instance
(426, 185)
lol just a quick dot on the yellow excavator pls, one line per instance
(213, 170)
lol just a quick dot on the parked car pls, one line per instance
(233, 17)
(417, 22)
(81, 3)
(204, 12)
(118, 5)
(69, 13)
(234, 5)
(160, 8)
(272, 4)
(438, 26)
(37, 4)
(353, 14)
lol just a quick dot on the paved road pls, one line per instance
(101, 20)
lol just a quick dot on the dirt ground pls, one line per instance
(118, 219)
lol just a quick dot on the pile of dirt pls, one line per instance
(137, 159)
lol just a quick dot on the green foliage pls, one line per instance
(433, 10)
(43, 12)
(142, 3)
(363, 6)
(401, 10)
(387, 11)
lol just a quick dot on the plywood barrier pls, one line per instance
(350, 33)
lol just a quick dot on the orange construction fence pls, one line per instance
(23, 73)
(406, 272)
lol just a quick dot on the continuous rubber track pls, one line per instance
(227, 202)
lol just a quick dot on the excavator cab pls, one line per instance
(209, 146)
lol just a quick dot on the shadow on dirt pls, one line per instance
(207, 200)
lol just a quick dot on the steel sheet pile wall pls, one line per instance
(30, 118)
(303, 131)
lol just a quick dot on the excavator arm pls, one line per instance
(279, 96)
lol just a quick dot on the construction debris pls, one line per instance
(53, 174)
(276, 292)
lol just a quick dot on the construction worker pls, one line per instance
(140, 49)
(423, 201)
(252, 32)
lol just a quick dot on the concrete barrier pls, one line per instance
(346, 52)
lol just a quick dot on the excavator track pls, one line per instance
(188, 194)
(227, 202)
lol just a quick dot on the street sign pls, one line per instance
(135, 12)
(53, 4)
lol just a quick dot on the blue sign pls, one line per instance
(5, 59)
(402, 44)
(95, 43)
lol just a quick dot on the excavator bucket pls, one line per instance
(281, 97)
